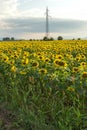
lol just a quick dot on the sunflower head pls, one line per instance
(83, 65)
(60, 63)
(11, 62)
(83, 56)
(22, 72)
(42, 71)
(25, 54)
(5, 58)
(75, 69)
(84, 75)
(47, 60)
(60, 57)
(34, 64)
(78, 58)
(71, 89)
(25, 61)
(13, 69)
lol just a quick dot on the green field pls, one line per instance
(43, 85)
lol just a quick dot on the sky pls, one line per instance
(25, 19)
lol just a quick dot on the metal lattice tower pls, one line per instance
(47, 22)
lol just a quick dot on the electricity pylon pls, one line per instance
(47, 22)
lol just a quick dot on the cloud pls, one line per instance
(74, 9)
(66, 25)
(34, 12)
(28, 27)
(38, 24)
(11, 9)
(21, 18)
(8, 8)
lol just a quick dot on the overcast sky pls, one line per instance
(26, 18)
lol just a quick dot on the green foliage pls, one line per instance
(60, 38)
(55, 99)
(8, 39)
(45, 38)
(48, 39)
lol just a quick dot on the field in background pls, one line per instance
(43, 85)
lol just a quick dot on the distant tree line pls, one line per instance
(58, 38)
(8, 39)
(51, 38)
(45, 38)
(48, 39)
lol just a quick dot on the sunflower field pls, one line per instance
(43, 85)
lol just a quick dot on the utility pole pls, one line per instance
(47, 23)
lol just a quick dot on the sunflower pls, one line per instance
(22, 72)
(71, 89)
(5, 58)
(12, 56)
(83, 65)
(15, 52)
(41, 57)
(47, 60)
(84, 75)
(26, 53)
(25, 61)
(83, 57)
(11, 62)
(78, 58)
(16, 56)
(60, 63)
(34, 64)
(42, 71)
(13, 69)
(75, 69)
(60, 57)
(9, 51)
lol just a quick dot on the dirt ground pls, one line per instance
(7, 119)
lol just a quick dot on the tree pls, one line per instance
(79, 39)
(60, 38)
(12, 39)
(51, 39)
(6, 39)
(45, 38)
